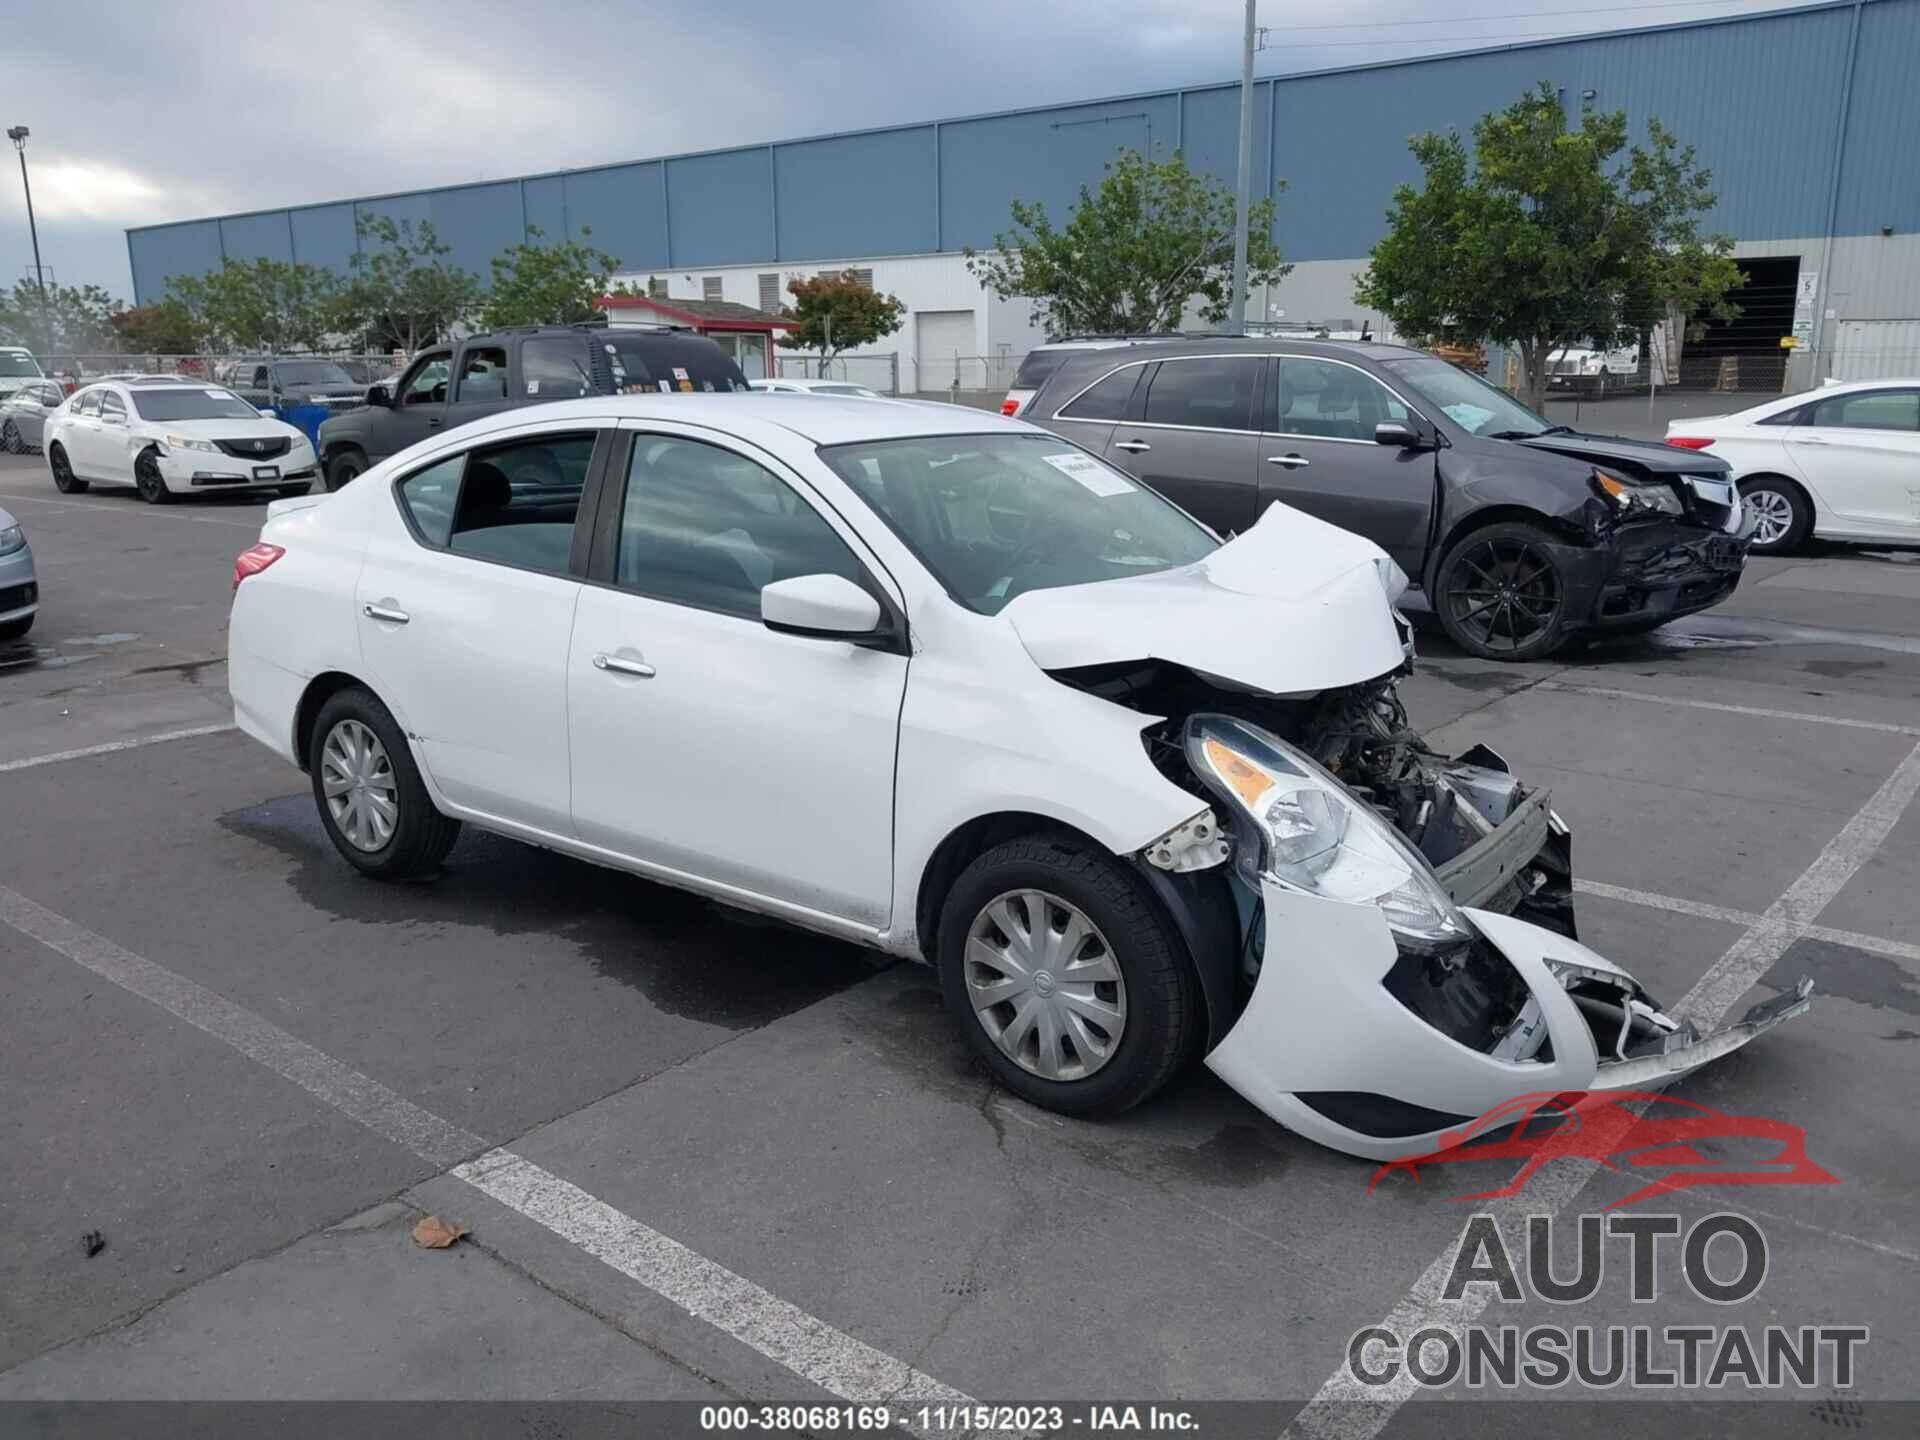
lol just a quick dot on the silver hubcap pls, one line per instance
(1045, 985)
(1773, 515)
(357, 778)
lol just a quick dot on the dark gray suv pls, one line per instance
(1522, 534)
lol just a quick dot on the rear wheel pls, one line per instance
(343, 469)
(371, 798)
(148, 480)
(1501, 595)
(1782, 516)
(1065, 979)
(64, 480)
(10, 440)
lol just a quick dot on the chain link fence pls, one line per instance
(73, 370)
(876, 372)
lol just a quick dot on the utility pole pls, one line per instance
(1237, 308)
(18, 134)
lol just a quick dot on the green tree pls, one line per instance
(536, 284)
(165, 328)
(1135, 256)
(838, 311)
(260, 304)
(401, 291)
(1553, 235)
(74, 320)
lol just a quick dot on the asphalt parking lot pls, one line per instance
(706, 1157)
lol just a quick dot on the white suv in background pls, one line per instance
(168, 438)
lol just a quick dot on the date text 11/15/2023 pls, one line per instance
(945, 1419)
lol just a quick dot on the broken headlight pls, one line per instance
(1303, 829)
(1630, 499)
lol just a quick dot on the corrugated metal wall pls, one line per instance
(1760, 97)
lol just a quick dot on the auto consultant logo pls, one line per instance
(1722, 1259)
(1676, 1144)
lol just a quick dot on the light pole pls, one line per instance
(1237, 307)
(18, 134)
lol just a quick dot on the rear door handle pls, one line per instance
(1132, 447)
(433, 422)
(1809, 440)
(624, 666)
(1292, 462)
(385, 612)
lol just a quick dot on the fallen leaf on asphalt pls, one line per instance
(93, 1242)
(433, 1233)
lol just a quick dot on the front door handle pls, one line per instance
(1809, 440)
(624, 665)
(1292, 462)
(1132, 447)
(433, 422)
(385, 612)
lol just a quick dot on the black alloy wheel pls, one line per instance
(64, 480)
(1502, 595)
(148, 480)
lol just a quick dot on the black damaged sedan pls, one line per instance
(1522, 534)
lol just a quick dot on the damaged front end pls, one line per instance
(1405, 939)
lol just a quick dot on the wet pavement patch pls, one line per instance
(1849, 974)
(688, 956)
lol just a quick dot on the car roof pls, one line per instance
(820, 419)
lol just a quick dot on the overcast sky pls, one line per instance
(151, 110)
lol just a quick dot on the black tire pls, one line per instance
(1778, 498)
(148, 480)
(64, 480)
(14, 629)
(421, 836)
(1500, 593)
(10, 440)
(344, 468)
(289, 492)
(1163, 1015)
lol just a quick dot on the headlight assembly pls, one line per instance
(1630, 499)
(1298, 826)
(187, 442)
(11, 539)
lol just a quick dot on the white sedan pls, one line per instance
(1840, 463)
(168, 438)
(944, 685)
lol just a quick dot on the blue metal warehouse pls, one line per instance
(1808, 118)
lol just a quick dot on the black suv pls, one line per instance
(1522, 534)
(449, 385)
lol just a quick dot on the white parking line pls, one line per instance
(1345, 1409)
(111, 747)
(1608, 693)
(144, 510)
(1895, 949)
(782, 1332)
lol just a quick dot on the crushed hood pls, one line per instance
(1292, 606)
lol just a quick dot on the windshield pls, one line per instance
(993, 516)
(18, 362)
(192, 405)
(1466, 399)
(311, 372)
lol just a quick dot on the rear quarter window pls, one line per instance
(1037, 368)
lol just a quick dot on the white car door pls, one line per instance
(704, 743)
(110, 455)
(465, 603)
(1861, 452)
(80, 434)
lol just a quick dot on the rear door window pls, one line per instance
(1106, 399)
(429, 496)
(1207, 393)
(483, 375)
(512, 504)
(554, 369)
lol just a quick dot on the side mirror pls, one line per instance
(826, 607)
(379, 395)
(268, 411)
(1394, 433)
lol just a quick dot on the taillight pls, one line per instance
(1689, 442)
(254, 559)
(1009, 406)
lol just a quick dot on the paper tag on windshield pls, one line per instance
(1089, 472)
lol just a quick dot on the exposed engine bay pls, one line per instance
(1419, 905)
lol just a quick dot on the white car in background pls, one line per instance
(169, 437)
(946, 686)
(1840, 463)
(786, 385)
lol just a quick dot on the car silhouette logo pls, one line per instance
(1627, 1131)
(259, 444)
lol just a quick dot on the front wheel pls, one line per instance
(1501, 593)
(1782, 516)
(148, 480)
(1064, 977)
(372, 801)
(64, 480)
(346, 467)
